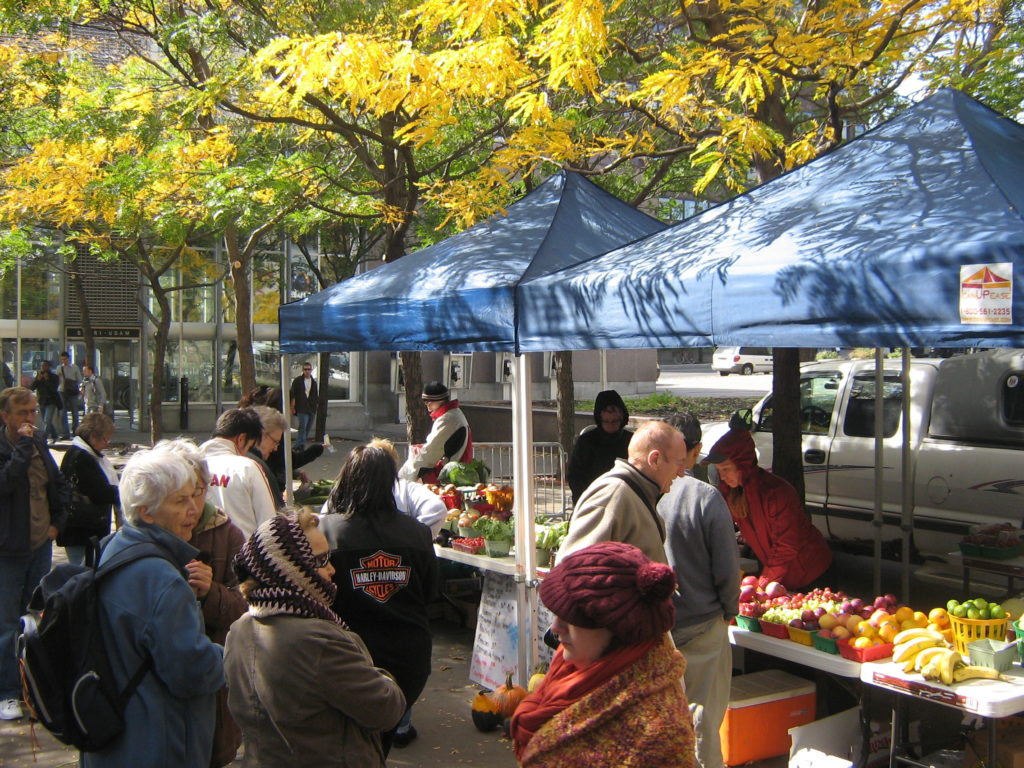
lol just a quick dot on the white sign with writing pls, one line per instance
(496, 649)
(986, 293)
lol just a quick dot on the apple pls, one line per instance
(819, 612)
(856, 604)
(797, 624)
(881, 602)
(828, 621)
(825, 633)
(747, 594)
(775, 589)
(841, 633)
(748, 580)
(866, 611)
(808, 616)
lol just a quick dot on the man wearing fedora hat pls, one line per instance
(450, 438)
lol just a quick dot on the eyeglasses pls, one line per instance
(275, 440)
(322, 561)
(307, 370)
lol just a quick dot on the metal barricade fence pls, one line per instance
(551, 498)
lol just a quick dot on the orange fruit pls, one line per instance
(921, 619)
(888, 631)
(861, 642)
(938, 616)
(864, 629)
(852, 622)
(904, 613)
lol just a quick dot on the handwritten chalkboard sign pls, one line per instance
(496, 649)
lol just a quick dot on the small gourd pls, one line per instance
(507, 697)
(485, 713)
(537, 677)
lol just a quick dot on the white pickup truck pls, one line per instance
(966, 438)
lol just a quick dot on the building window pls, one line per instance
(41, 281)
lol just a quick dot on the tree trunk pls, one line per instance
(565, 399)
(87, 333)
(787, 452)
(156, 399)
(240, 263)
(417, 420)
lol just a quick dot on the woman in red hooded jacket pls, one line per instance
(768, 512)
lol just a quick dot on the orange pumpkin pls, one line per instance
(507, 697)
(485, 713)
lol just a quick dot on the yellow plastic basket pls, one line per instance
(966, 631)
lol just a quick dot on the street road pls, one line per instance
(699, 380)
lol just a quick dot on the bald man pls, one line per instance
(621, 504)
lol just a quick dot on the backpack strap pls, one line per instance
(639, 492)
(130, 554)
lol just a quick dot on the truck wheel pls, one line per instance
(723, 373)
(747, 369)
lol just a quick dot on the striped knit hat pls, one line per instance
(279, 558)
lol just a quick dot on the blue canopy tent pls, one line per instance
(868, 245)
(458, 295)
(909, 235)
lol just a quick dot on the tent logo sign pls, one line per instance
(986, 293)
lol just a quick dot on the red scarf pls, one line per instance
(565, 684)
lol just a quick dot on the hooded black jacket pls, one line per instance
(595, 451)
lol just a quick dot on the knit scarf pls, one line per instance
(279, 559)
(565, 684)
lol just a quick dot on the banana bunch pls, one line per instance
(926, 651)
(909, 644)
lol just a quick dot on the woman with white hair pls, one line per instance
(152, 624)
(215, 584)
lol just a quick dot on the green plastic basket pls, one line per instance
(1019, 633)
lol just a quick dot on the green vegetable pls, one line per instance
(464, 473)
(495, 530)
(550, 535)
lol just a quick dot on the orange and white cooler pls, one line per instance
(763, 706)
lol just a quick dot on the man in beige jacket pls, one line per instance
(621, 504)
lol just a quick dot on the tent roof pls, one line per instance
(459, 293)
(862, 246)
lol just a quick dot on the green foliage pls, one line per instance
(493, 529)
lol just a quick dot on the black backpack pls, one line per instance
(66, 676)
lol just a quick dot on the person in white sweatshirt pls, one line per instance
(237, 483)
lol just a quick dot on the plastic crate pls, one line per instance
(999, 553)
(966, 631)
(826, 644)
(748, 623)
(774, 629)
(1019, 634)
(801, 636)
(871, 653)
(470, 549)
(992, 653)
(966, 548)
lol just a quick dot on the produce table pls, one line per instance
(1012, 568)
(505, 565)
(795, 652)
(990, 699)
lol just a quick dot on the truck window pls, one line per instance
(1013, 399)
(817, 402)
(860, 412)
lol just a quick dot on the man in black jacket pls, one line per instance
(598, 447)
(304, 396)
(46, 385)
(33, 508)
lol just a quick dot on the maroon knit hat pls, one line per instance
(612, 585)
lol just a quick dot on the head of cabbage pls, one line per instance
(463, 473)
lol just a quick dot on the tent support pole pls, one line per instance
(526, 555)
(879, 465)
(286, 409)
(907, 476)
